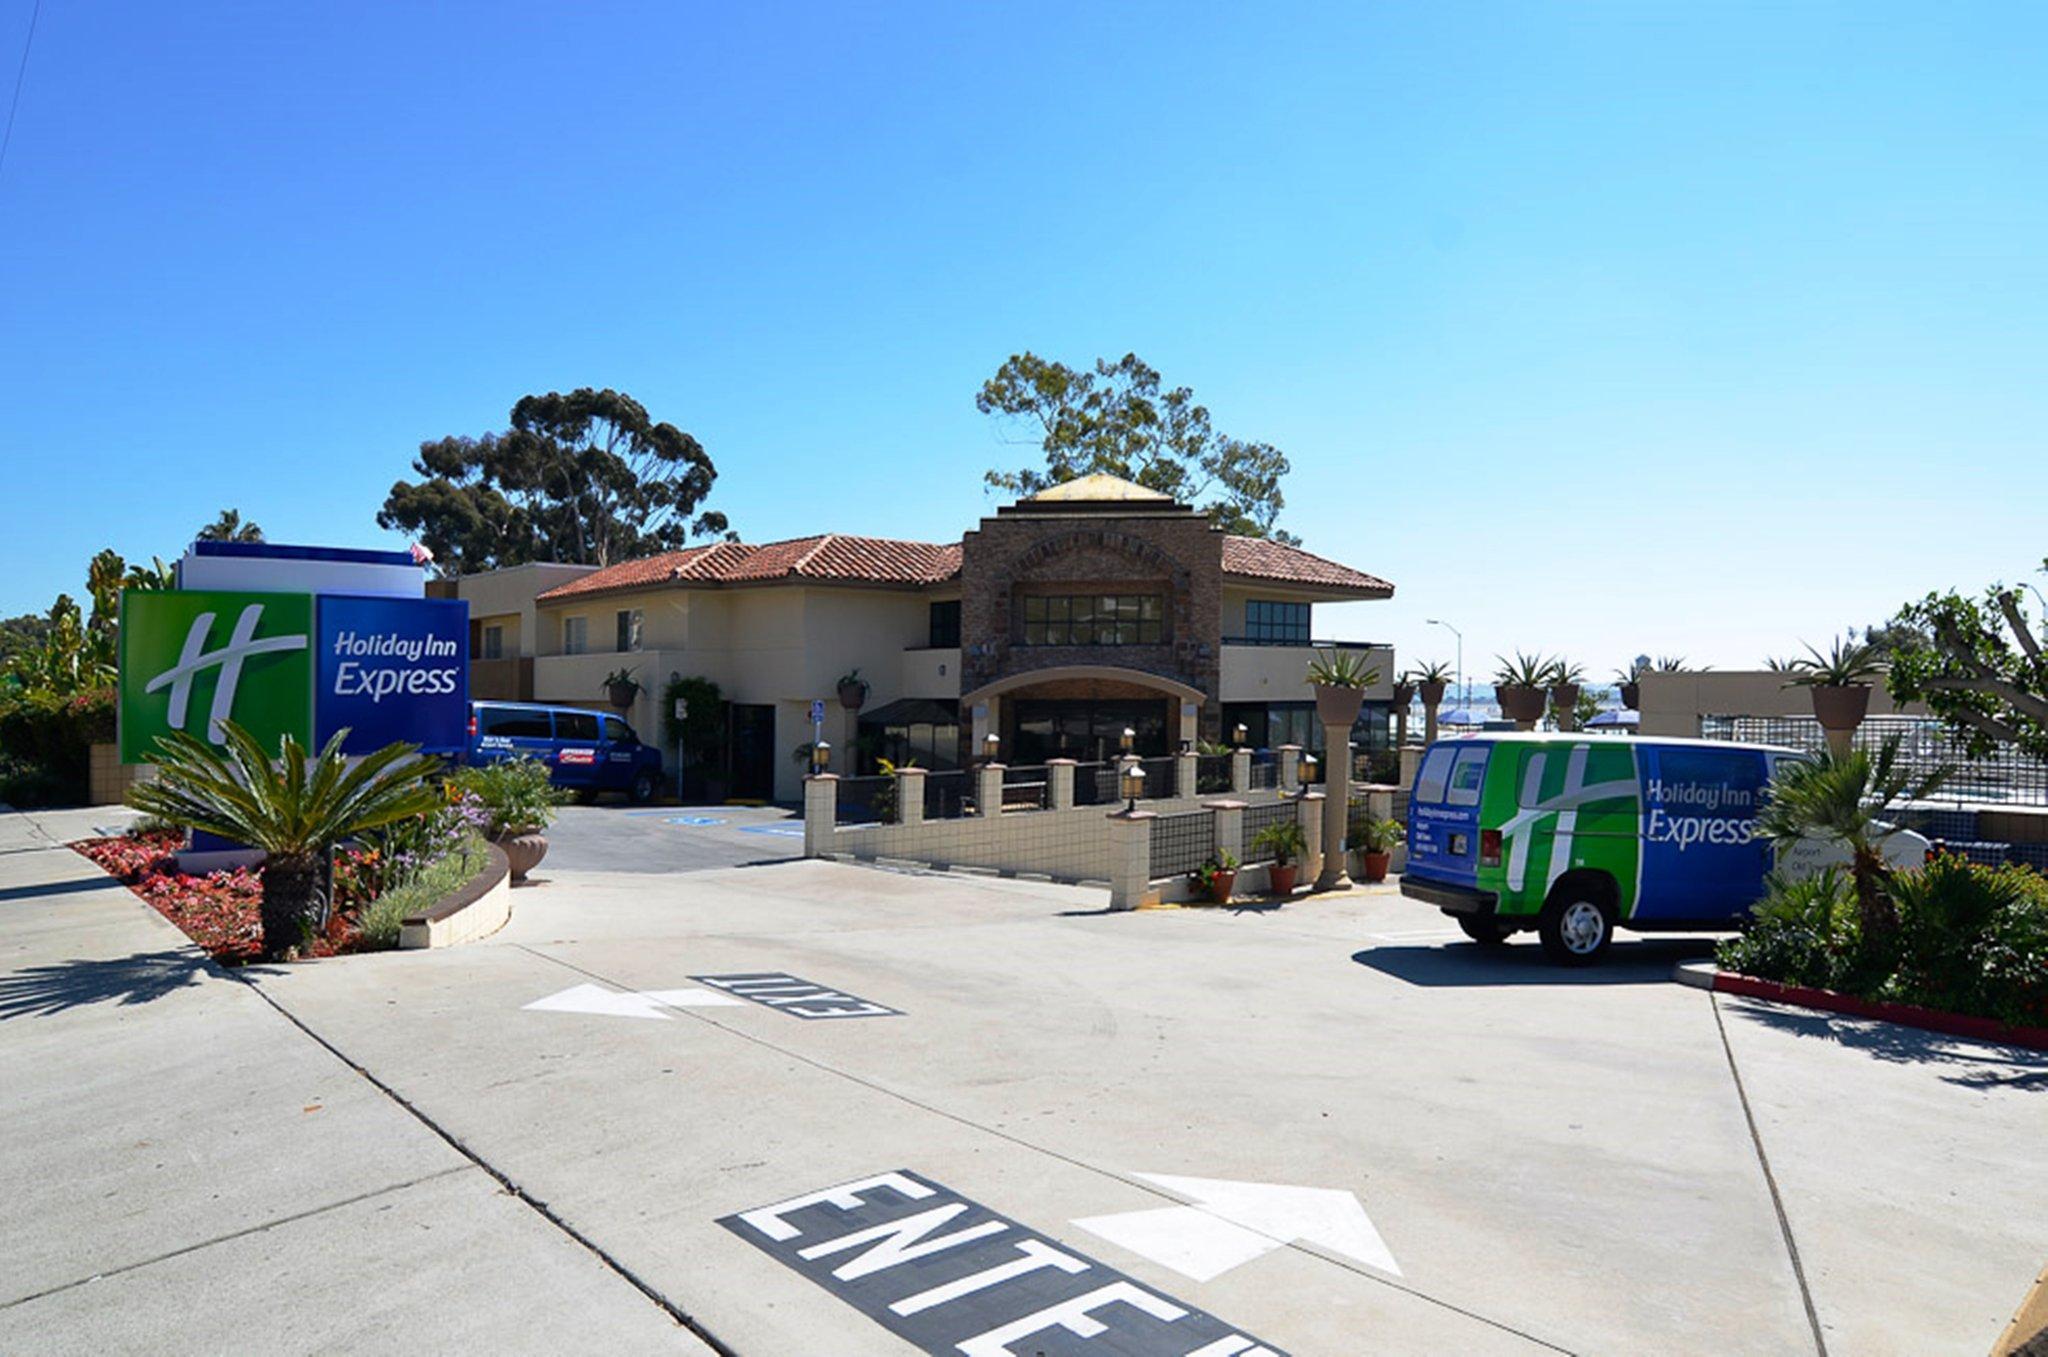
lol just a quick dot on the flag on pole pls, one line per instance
(420, 554)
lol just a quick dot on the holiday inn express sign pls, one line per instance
(304, 660)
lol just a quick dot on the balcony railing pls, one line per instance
(1304, 644)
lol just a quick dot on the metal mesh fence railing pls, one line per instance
(1026, 788)
(867, 800)
(1265, 774)
(1181, 843)
(1095, 784)
(1212, 774)
(1159, 778)
(947, 794)
(1259, 818)
(1924, 745)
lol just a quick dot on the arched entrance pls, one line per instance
(1081, 711)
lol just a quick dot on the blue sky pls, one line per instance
(1598, 328)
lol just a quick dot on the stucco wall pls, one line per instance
(1672, 704)
(1280, 673)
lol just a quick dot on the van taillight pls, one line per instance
(1489, 848)
(472, 725)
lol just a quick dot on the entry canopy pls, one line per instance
(912, 711)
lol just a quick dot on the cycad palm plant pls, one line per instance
(294, 809)
(1843, 797)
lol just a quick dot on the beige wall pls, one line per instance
(499, 595)
(1280, 673)
(930, 673)
(1672, 704)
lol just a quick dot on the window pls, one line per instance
(628, 630)
(618, 732)
(945, 625)
(494, 643)
(575, 635)
(576, 725)
(514, 723)
(1467, 775)
(1275, 623)
(1094, 619)
(1435, 774)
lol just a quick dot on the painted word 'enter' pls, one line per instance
(786, 992)
(951, 1276)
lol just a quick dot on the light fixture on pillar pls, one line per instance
(1133, 785)
(821, 756)
(1238, 734)
(1308, 771)
(1127, 740)
(990, 743)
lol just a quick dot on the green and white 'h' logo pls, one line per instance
(262, 676)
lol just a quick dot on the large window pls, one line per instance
(945, 625)
(627, 629)
(575, 635)
(1094, 619)
(1275, 623)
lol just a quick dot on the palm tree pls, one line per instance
(1844, 797)
(229, 527)
(294, 810)
(1430, 680)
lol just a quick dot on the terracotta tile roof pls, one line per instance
(1260, 559)
(828, 558)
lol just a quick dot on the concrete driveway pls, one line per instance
(627, 838)
(1586, 1162)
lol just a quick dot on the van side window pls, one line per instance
(576, 725)
(1466, 776)
(1434, 774)
(618, 732)
(513, 723)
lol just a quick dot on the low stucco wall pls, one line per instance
(481, 907)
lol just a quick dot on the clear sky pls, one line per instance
(1601, 328)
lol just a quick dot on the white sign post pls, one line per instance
(682, 711)
(817, 728)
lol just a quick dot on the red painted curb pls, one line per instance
(1909, 1015)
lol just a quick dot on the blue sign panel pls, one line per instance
(1700, 845)
(393, 669)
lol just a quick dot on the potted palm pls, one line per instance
(1376, 839)
(1629, 682)
(292, 808)
(1285, 840)
(1840, 683)
(1340, 681)
(620, 687)
(1519, 686)
(1565, 678)
(1430, 681)
(1404, 694)
(519, 803)
(1216, 878)
(853, 690)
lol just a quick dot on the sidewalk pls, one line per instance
(190, 1172)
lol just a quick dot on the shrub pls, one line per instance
(1803, 933)
(515, 794)
(47, 741)
(380, 919)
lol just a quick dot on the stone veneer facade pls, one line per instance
(1095, 547)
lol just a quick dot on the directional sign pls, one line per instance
(1232, 1223)
(800, 998)
(949, 1275)
(612, 1003)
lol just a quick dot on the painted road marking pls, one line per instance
(951, 1276)
(698, 821)
(780, 831)
(788, 994)
(612, 1003)
(1231, 1223)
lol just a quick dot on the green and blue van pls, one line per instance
(1573, 835)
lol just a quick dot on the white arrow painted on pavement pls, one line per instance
(1231, 1223)
(611, 1003)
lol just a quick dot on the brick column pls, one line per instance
(988, 789)
(1130, 858)
(821, 813)
(1290, 768)
(1059, 784)
(1186, 769)
(1336, 805)
(1229, 827)
(910, 796)
(1240, 770)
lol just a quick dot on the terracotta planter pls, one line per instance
(1221, 885)
(1520, 704)
(852, 695)
(523, 851)
(1280, 879)
(1841, 708)
(1338, 706)
(1564, 697)
(1432, 694)
(1375, 864)
(1632, 696)
(621, 695)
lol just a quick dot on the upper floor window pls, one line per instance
(1275, 622)
(1094, 619)
(493, 643)
(945, 625)
(628, 630)
(575, 635)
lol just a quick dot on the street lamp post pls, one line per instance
(1463, 697)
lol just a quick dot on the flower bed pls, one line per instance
(220, 911)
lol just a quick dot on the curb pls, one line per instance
(1704, 975)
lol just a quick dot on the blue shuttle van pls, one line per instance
(586, 752)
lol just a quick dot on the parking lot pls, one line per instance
(1330, 1128)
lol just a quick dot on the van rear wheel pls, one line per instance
(643, 787)
(1576, 928)
(1485, 932)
